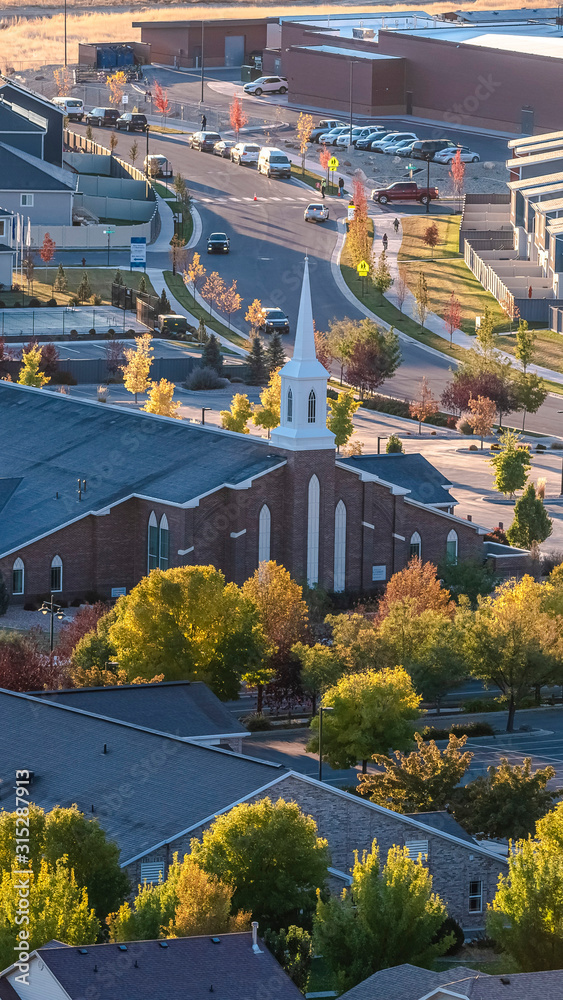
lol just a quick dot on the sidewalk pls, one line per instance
(158, 283)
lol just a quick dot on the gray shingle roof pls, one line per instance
(443, 822)
(412, 472)
(21, 171)
(184, 970)
(407, 982)
(10, 121)
(146, 788)
(48, 440)
(182, 708)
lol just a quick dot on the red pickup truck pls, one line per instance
(404, 191)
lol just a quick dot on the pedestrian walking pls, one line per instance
(84, 262)
(385, 241)
(340, 187)
(396, 225)
(323, 188)
(203, 122)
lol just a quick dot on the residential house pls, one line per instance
(35, 188)
(7, 251)
(38, 110)
(408, 982)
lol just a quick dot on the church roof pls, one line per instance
(50, 440)
(414, 473)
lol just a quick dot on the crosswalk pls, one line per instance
(304, 198)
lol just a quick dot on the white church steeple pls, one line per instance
(303, 387)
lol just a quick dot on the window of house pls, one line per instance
(312, 408)
(152, 560)
(340, 547)
(164, 543)
(26, 200)
(264, 527)
(2, 227)
(152, 871)
(313, 531)
(17, 577)
(415, 848)
(289, 406)
(56, 574)
(451, 548)
(475, 897)
(415, 546)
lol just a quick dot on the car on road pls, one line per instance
(266, 85)
(204, 141)
(132, 122)
(426, 149)
(101, 116)
(171, 324)
(218, 243)
(157, 165)
(329, 138)
(223, 148)
(404, 191)
(391, 145)
(274, 162)
(325, 125)
(376, 131)
(73, 107)
(467, 155)
(245, 152)
(316, 213)
(274, 320)
(358, 132)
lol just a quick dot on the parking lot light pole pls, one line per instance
(325, 708)
(50, 608)
(108, 233)
(352, 64)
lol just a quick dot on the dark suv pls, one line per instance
(274, 320)
(204, 140)
(131, 122)
(101, 116)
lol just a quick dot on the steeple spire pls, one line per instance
(304, 349)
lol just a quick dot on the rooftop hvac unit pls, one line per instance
(363, 33)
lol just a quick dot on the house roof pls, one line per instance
(145, 787)
(407, 982)
(11, 121)
(443, 822)
(175, 969)
(181, 708)
(413, 473)
(50, 439)
(24, 172)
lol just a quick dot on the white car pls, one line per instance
(316, 213)
(390, 144)
(266, 85)
(245, 152)
(329, 138)
(357, 133)
(447, 155)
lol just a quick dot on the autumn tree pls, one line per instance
(457, 174)
(342, 336)
(49, 360)
(254, 316)
(231, 301)
(359, 240)
(84, 290)
(47, 251)
(161, 101)
(478, 375)
(431, 236)
(239, 414)
(452, 316)
(137, 365)
(134, 151)
(420, 781)
(63, 80)
(177, 253)
(304, 127)
(213, 289)
(401, 290)
(425, 406)
(116, 84)
(421, 298)
(24, 665)
(323, 349)
(83, 622)
(30, 373)
(511, 465)
(161, 399)
(339, 421)
(181, 192)
(417, 581)
(371, 712)
(195, 273)
(531, 521)
(507, 802)
(114, 356)
(481, 416)
(324, 159)
(113, 142)
(237, 117)
(381, 275)
(267, 415)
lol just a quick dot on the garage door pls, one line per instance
(234, 50)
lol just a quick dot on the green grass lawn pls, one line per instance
(312, 179)
(176, 285)
(413, 246)
(549, 348)
(100, 282)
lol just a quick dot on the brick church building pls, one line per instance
(92, 497)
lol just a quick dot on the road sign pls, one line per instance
(333, 163)
(363, 268)
(138, 252)
(125, 99)
(351, 212)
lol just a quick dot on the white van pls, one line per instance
(157, 165)
(73, 107)
(274, 162)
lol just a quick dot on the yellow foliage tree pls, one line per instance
(195, 273)
(231, 301)
(138, 365)
(204, 905)
(63, 80)
(161, 400)
(268, 416)
(213, 290)
(305, 125)
(30, 373)
(116, 84)
(254, 316)
(238, 416)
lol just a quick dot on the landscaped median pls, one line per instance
(175, 283)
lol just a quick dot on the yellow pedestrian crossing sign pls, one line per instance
(333, 163)
(363, 268)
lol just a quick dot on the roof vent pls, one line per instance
(82, 951)
(135, 964)
(95, 968)
(163, 944)
(505, 980)
(216, 940)
(122, 947)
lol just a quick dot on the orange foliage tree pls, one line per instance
(161, 101)
(418, 583)
(452, 315)
(457, 174)
(425, 406)
(237, 116)
(358, 241)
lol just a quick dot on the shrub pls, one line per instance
(111, 332)
(332, 394)
(256, 722)
(540, 447)
(387, 404)
(76, 603)
(30, 606)
(74, 301)
(17, 305)
(237, 381)
(556, 444)
(451, 422)
(203, 378)
(73, 334)
(96, 300)
(461, 729)
(463, 425)
(394, 445)
(473, 447)
(91, 332)
(481, 705)
(51, 302)
(34, 303)
(63, 378)
(451, 926)
(130, 333)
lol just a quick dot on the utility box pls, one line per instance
(249, 73)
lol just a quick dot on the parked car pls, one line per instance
(132, 122)
(157, 165)
(218, 243)
(426, 149)
(266, 85)
(245, 152)
(393, 141)
(447, 155)
(171, 323)
(316, 213)
(324, 126)
(329, 138)
(380, 137)
(204, 141)
(274, 162)
(73, 107)
(274, 320)
(223, 148)
(101, 116)
(405, 148)
(404, 191)
(357, 133)
(375, 132)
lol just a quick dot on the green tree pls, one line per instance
(421, 298)
(58, 908)
(118, 278)
(421, 781)
(271, 855)
(531, 391)
(188, 623)
(372, 711)
(525, 344)
(151, 911)
(394, 445)
(354, 642)
(320, 669)
(293, 949)
(30, 372)
(511, 465)
(469, 578)
(211, 356)
(163, 304)
(143, 284)
(507, 802)
(341, 337)
(388, 917)
(486, 337)
(60, 284)
(256, 362)
(202, 334)
(239, 414)
(340, 422)
(381, 275)
(84, 290)
(531, 521)
(275, 354)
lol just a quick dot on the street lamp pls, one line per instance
(147, 129)
(50, 608)
(352, 64)
(108, 233)
(202, 59)
(325, 708)
(203, 409)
